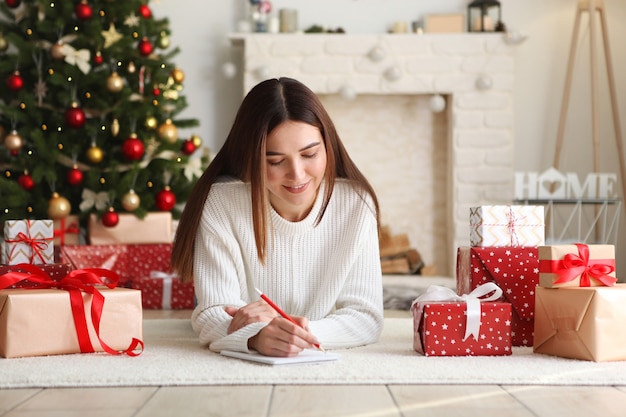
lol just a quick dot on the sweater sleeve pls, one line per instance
(358, 315)
(219, 276)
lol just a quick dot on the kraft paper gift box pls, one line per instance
(507, 226)
(67, 231)
(38, 321)
(128, 261)
(445, 328)
(577, 265)
(581, 322)
(515, 270)
(156, 227)
(28, 241)
(162, 290)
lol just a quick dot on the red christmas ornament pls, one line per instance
(74, 176)
(98, 58)
(156, 91)
(165, 200)
(83, 10)
(110, 218)
(13, 3)
(133, 148)
(26, 182)
(145, 47)
(188, 147)
(15, 82)
(144, 11)
(75, 117)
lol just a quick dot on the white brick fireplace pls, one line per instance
(428, 168)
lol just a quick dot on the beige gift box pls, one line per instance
(581, 322)
(156, 227)
(38, 322)
(599, 267)
(502, 226)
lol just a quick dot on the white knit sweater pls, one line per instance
(329, 273)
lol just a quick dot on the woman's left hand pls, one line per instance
(259, 311)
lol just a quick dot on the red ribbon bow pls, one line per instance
(76, 282)
(72, 228)
(574, 265)
(37, 245)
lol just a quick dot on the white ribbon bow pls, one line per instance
(436, 293)
(166, 299)
(91, 199)
(78, 58)
(193, 169)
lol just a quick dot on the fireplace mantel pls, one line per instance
(475, 72)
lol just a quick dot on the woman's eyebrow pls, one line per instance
(309, 146)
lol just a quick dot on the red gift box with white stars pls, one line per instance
(515, 270)
(439, 329)
(128, 261)
(164, 291)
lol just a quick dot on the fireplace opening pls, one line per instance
(402, 147)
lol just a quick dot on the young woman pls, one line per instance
(282, 208)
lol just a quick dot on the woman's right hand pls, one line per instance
(283, 338)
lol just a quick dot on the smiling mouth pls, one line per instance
(297, 188)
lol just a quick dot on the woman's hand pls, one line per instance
(283, 338)
(251, 313)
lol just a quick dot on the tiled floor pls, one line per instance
(315, 400)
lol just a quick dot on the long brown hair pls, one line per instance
(266, 106)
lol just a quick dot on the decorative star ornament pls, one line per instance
(132, 20)
(111, 36)
(41, 89)
(78, 58)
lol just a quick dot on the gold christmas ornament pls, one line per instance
(196, 140)
(168, 132)
(13, 141)
(56, 51)
(178, 75)
(115, 83)
(151, 123)
(115, 127)
(164, 41)
(131, 67)
(131, 201)
(95, 154)
(4, 44)
(59, 207)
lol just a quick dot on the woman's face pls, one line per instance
(296, 162)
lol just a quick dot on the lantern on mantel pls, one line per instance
(483, 15)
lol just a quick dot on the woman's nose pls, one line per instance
(296, 170)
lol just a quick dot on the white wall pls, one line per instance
(201, 28)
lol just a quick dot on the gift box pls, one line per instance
(28, 241)
(54, 271)
(463, 326)
(577, 265)
(515, 270)
(581, 322)
(153, 228)
(164, 291)
(67, 231)
(128, 261)
(507, 226)
(80, 313)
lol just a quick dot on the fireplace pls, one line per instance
(428, 168)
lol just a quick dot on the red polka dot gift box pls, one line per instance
(515, 270)
(446, 324)
(164, 291)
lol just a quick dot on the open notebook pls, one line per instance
(306, 356)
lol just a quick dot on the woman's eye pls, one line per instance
(275, 163)
(310, 155)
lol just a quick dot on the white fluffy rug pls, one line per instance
(173, 357)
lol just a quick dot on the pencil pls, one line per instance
(283, 314)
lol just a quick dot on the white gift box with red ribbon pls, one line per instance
(507, 225)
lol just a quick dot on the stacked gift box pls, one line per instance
(504, 241)
(580, 310)
(60, 309)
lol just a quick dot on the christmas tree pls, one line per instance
(88, 111)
